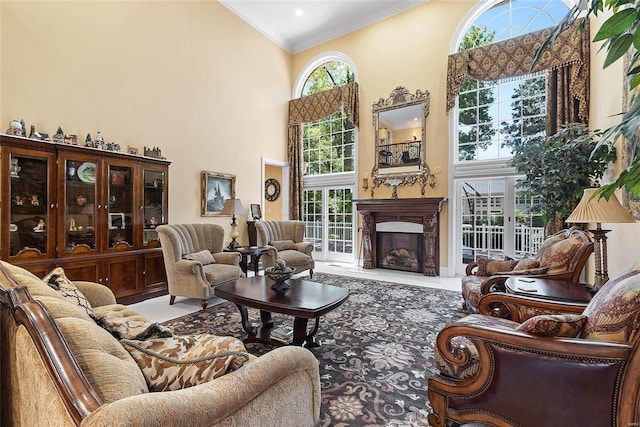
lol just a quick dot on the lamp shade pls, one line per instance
(232, 207)
(383, 133)
(598, 210)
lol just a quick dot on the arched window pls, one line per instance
(329, 147)
(492, 216)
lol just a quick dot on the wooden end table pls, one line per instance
(304, 300)
(249, 251)
(555, 290)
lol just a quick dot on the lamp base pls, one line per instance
(233, 245)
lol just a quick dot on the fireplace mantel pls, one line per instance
(425, 211)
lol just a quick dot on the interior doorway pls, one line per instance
(275, 190)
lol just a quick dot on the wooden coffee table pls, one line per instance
(304, 300)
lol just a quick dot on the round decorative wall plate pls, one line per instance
(271, 189)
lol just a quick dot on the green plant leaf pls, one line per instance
(617, 24)
(618, 49)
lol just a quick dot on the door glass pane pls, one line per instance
(120, 202)
(29, 200)
(312, 216)
(482, 219)
(80, 204)
(340, 221)
(154, 209)
(529, 225)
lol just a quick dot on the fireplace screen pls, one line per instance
(399, 251)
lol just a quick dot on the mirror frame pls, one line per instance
(401, 97)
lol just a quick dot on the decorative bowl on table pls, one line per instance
(279, 275)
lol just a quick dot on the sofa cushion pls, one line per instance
(184, 361)
(204, 257)
(219, 273)
(527, 272)
(558, 325)
(282, 245)
(613, 314)
(294, 258)
(488, 267)
(56, 279)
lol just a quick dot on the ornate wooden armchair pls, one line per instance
(561, 256)
(579, 369)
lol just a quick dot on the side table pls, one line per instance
(249, 251)
(555, 290)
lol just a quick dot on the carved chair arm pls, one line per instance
(520, 308)
(470, 270)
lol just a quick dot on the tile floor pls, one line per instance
(159, 310)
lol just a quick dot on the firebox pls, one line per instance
(399, 251)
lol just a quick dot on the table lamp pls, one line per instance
(233, 207)
(598, 210)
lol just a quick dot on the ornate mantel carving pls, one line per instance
(425, 211)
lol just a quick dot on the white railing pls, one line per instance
(488, 240)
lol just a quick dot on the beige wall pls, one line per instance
(187, 76)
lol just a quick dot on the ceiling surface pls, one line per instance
(297, 25)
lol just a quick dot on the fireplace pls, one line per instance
(399, 251)
(424, 212)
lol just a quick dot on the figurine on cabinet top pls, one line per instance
(15, 128)
(59, 136)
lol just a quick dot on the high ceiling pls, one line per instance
(296, 25)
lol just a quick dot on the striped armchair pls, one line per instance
(285, 240)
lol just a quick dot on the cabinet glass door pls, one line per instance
(29, 219)
(81, 200)
(153, 204)
(120, 218)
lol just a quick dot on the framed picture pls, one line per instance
(116, 221)
(216, 189)
(256, 212)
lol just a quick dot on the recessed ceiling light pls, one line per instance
(299, 12)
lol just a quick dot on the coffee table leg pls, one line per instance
(246, 323)
(265, 318)
(300, 336)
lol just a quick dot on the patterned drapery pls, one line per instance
(309, 109)
(569, 55)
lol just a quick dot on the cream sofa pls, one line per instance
(59, 368)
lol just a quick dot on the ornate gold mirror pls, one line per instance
(399, 123)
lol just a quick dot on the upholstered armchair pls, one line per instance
(581, 368)
(195, 261)
(285, 240)
(561, 256)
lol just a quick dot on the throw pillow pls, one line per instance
(528, 272)
(488, 267)
(554, 325)
(613, 314)
(526, 264)
(132, 329)
(204, 257)
(57, 280)
(184, 361)
(283, 245)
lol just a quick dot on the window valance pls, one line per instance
(513, 57)
(315, 107)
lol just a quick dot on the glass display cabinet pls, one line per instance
(92, 212)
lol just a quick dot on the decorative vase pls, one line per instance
(279, 276)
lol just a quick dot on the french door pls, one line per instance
(496, 218)
(328, 216)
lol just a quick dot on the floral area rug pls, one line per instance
(376, 353)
